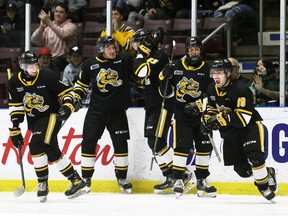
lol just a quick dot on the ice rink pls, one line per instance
(140, 205)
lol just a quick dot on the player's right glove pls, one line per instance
(193, 109)
(16, 137)
(215, 122)
(65, 111)
(168, 71)
(77, 102)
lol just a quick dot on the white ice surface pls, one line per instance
(140, 205)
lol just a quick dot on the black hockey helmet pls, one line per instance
(28, 57)
(193, 41)
(221, 64)
(140, 35)
(102, 42)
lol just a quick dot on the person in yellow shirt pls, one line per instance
(121, 33)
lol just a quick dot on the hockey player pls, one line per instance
(188, 79)
(149, 62)
(108, 74)
(36, 93)
(230, 109)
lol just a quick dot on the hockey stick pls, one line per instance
(163, 112)
(209, 135)
(21, 190)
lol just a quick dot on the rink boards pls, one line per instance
(70, 136)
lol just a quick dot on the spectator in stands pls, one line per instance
(50, 5)
(72, 70)
(264, 82)
(12, 28)
(45, 60)
(76, 10)
(161, 10)
(137, 10)
(205, 8)
(275, 95)
(58, 35)
(235, 71)
(241, 11)
(121, 33)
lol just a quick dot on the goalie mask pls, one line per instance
(28, 62)
(195, 57)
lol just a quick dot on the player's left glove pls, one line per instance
(193, 109)
(65, 111)
(151, 42)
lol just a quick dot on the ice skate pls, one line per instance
(178, 188)
(189, 180)
(204, 189)
(266, 191)
(42, 191)
(76, 188)
(88, 185)
(272, 182)
(168, 184)
(125, 186)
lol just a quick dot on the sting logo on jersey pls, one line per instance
(107, 77)
(189, 87)
(33, 104)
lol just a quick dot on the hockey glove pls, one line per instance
(65, 111)
(16, 137)
(77, 102)
(215, 122)
(193, 109)
(158, 35)
(168, 71)
(148, 45)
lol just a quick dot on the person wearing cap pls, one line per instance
(12, 28)
(73, 69)
(58, 35)
(45, 61)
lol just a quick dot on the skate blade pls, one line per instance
(77, 194)
(206, 195)
(164, 191)
(189, 187)
(178, 195)
(273, 201)
(43, 199)
(126, 191)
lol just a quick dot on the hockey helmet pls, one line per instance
(28, 57)
(221, 64)
(102, 42)
(190, 42)
(140, 35)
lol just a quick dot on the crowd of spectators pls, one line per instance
(57, 32)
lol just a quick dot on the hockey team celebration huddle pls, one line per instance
(195, 96)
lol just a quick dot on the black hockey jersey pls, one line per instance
(236, 100)
(189, 83)
(152, 67)
(109, 80)
(36, 97)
